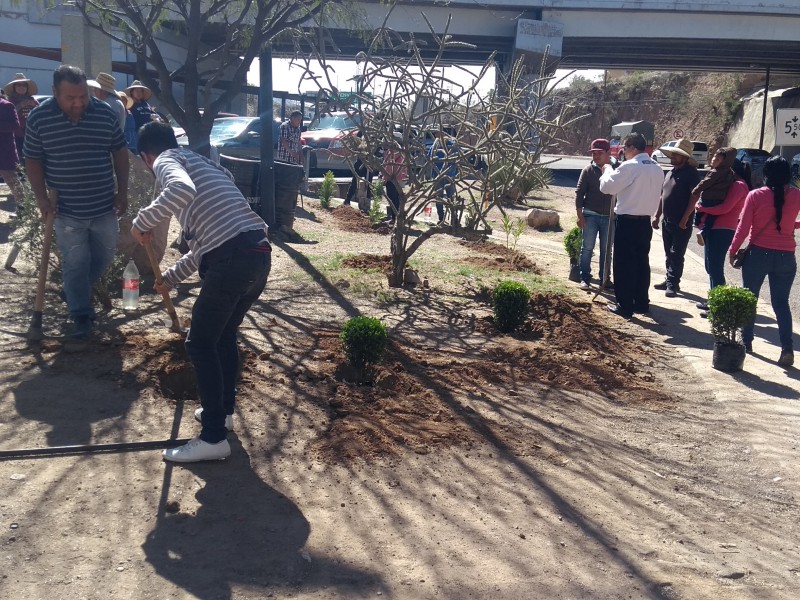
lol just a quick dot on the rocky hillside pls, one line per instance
(702, 105)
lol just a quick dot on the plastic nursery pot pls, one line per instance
(574, 272)
(728, 357)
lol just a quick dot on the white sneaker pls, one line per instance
(196, 450)
(198, 416)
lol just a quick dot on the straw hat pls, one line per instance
(104, 82)
(684, 148)
(126, 100)
(146, 93)
(20, 78)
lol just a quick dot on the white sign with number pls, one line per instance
(787, 127)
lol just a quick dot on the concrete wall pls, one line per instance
(746, 129)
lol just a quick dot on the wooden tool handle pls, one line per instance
(38, 303)
(157, 274)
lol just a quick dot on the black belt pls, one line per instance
(634, 217)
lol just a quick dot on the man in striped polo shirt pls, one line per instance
(74, 145)
(228, 247)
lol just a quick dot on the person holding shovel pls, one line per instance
(74, 145)
(228, 246)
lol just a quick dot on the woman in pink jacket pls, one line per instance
(769, 218)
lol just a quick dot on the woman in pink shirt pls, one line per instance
(717, 239)
(769, 218)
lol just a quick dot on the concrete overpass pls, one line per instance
(717, 35)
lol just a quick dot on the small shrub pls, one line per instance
(364, 340)
(510, 300)
(729, 309)
(572, 244)
(375, 211)
(326, 189)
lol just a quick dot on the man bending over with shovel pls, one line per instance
(228, 247)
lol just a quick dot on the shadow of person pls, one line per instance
(243, 532)
(71, 392)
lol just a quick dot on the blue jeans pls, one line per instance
(593, 223)
(233, 278)
(780, 267)
(446, 188)
(715, 250)
(87, 248)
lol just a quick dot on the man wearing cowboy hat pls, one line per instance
(142, 112)
(676, 194)
(103, 88)
(73, 144)
(20, 91)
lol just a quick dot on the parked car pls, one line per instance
(324, 136)
(796, 169)
(181, 133)
(756, 159)
(247, 143)
(700, 153)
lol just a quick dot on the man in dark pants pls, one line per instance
(593, 208)
(637, 184)
(675, 197)
(228, 246)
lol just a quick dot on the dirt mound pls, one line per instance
(368, 262)
(159, 359)
(353, 220)
(412, 398)
(504, 259)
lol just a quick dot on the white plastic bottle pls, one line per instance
(130, 287)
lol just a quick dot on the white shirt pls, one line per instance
(637, 183)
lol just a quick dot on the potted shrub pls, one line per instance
(729, 309)
(572, 244)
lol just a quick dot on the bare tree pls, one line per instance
(493, 154)
(222, 37)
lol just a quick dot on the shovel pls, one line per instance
(35, 332)
(176, 324)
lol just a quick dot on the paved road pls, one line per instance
(565, 173)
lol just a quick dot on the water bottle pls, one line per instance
(130, 287)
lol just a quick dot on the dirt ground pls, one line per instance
(581, 457)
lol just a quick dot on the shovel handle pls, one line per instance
(47, 243)
(159, 280)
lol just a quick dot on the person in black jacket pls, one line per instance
(593, 208)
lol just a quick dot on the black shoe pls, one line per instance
(609, 285)
(661, 286)
(702, 305)
(617, 310)
(748, 347)
(642, 311)
(672, 291)
(703, 314)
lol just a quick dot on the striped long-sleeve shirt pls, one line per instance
(208, 205)
(77, 157)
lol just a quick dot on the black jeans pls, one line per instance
(632, 236)
(361, 172)
(675, 242)
(234, 275)
(394, 199)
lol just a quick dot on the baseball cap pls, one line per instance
(600, 144)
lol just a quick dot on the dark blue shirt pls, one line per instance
(76, 156)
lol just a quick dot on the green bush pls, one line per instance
(729, 309)
(572, 244)
(326, 189)
(364, 340)
(375, 209)
(510, 300)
